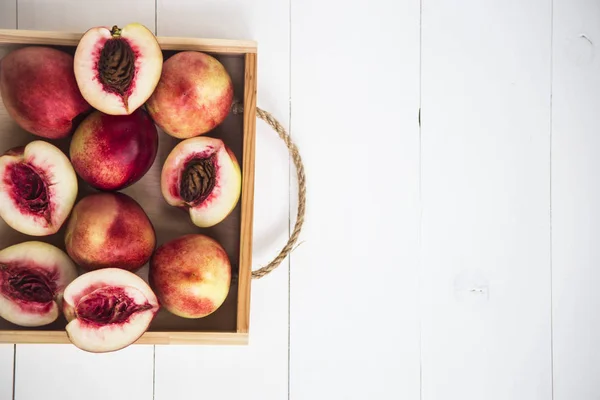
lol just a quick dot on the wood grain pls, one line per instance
(60, 337)
(243, 317)
(217, 46)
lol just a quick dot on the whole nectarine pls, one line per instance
(109, 230)
(191, 275)
(193, 95)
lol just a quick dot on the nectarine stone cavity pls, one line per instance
(198, 180)
(202, 176)
(27, 283)
(38, 187)
(117, 69)
(30, 190)
(33, 276)
(116, 66)
(39, 91)
(108, 309)
(108, 305)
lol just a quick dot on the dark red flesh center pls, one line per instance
(197, 180)
(30, 189)
(27, 283)
(108, 305)
(116, 67)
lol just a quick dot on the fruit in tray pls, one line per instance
(111, 96)
(109, 230)
(193, 96)
(38, 88)
(117, 69)
(33, 276)
(111, 152)
(108, 309)
(38, 188)
(202, 176)
(190, 275)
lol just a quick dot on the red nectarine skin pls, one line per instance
(193, 96)
(39, 90)
(109, 230)
(111, 152)
(182, 266)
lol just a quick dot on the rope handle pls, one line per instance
(238, 108)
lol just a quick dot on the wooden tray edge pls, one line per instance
(165, 338)
(246, 229)
(57, 38)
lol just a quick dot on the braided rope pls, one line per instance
(289, 247)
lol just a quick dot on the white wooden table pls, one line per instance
(452, 151)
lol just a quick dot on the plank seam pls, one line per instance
(14, 377)
(153, 372)
(550, 203)
(289, 355)
(420, 232)
(156, 17)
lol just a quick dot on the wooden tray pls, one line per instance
(230, 323)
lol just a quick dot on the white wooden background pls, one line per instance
(454, 258)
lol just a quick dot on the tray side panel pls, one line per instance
(219, 46)
(192, 338)
(243, 314)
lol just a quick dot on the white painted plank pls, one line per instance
(354, 279)
(78, 16)
(8, 14)
(258, 371)
(6, 371)
(486, 291)
(575, 199)
(60, 372)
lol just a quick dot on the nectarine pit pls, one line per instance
(197, 180)
(29, 189)
(108, 305)
(116, 65)
(27, 283)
